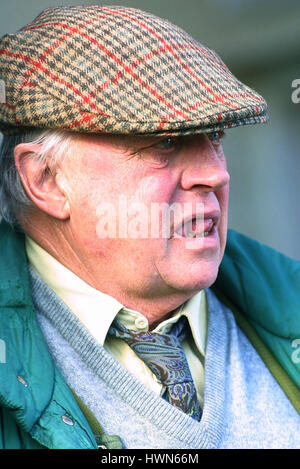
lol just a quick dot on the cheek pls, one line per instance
(91, 197)
(151, 198)
(223, 198)
(102, 204)
(88, 196)
(152, 189)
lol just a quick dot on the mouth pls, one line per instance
(198, 226)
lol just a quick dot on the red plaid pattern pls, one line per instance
(118, 70)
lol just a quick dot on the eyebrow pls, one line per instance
(149, 145)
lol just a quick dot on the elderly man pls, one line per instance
(114, 194)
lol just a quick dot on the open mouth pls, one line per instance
(196, 227)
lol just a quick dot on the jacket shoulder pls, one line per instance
(265, 285)
(31, 387)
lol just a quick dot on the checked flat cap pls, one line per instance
(117, 70)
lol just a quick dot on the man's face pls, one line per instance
(119, 187)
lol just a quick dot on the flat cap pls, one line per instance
(117, 70)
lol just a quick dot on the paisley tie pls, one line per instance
(165, 357)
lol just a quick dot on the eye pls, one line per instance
(160, 151)
(166, 144)
(215, 137)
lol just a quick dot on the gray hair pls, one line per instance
(13, 198)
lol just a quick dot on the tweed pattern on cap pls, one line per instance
(118, 70)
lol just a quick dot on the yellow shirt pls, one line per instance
(97, 310)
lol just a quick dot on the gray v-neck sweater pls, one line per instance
(244, 407)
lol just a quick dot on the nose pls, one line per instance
(204, 165)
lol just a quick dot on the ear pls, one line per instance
(42, 185)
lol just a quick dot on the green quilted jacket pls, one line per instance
(37, 408)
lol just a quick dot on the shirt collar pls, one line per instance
(97, 310)
(195, 310)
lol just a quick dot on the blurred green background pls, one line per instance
(259, 41)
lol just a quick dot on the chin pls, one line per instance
(193, 280)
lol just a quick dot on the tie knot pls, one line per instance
(178, 330)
